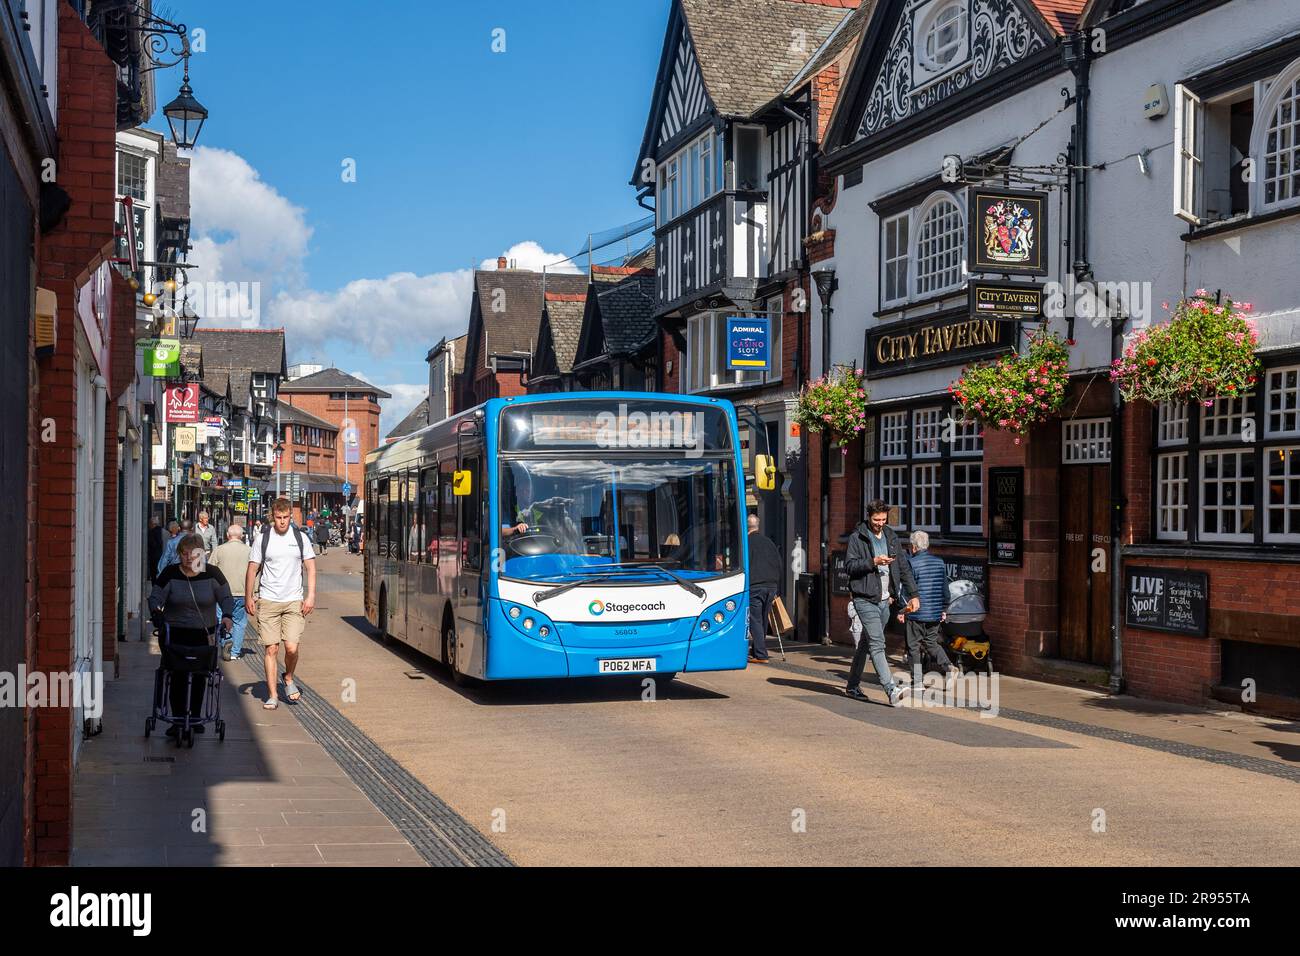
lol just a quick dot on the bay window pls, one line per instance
(689, 177)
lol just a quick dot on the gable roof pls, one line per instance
(415, 419)
(559, 330)
(731, 58)
(845, 34)
(248, 350)
(1061, 15)
(332, 380)
(626, 314)
(296, 416)
(507, 307)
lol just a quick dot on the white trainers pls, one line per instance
(898, 695)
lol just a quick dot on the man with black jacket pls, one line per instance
(878, 574)
(765, 569)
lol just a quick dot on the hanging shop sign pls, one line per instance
(351, 443)
(1161, 599)
(184, 438)
(192, 358)
(234, 482)
(1008, 232)
(1006, 525)
(181, 404)
(162, 358)
(989, 298)
(749, 342)
(221, 458)
(900, 347)
(241, 507)
(205, 476)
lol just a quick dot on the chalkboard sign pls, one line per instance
(839, 574)
(1158, 599)
(1006, 520)
(968, 569)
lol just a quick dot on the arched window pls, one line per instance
(940, 245)
(945, 36)
(1276, 143)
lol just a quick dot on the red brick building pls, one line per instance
(347, 404)
(312, 452)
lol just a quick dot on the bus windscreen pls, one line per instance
(615, 426)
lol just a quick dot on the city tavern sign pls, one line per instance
(901, 347)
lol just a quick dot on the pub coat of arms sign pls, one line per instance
(1008, 232)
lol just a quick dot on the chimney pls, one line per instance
(501, 262)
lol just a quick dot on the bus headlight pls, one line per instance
(718, 618)
(528, 624)
(543, 630)
(514, 612)
(730, 606)
(704, 625)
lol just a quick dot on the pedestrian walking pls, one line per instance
(208, 532)
(156, 541)
(279, 602)
(183, 604)
(231, 558)
(765, 569)
(323, 534)
(310, 532)
(923, 624)
(169, 555)
(878, 575)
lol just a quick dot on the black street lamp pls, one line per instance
(185, 115)
(826, 286)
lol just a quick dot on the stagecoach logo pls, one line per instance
(599, 607)
(678, 430)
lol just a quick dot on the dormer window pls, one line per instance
(942, 40)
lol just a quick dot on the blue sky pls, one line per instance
(461, 154)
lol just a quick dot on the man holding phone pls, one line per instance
(876, 578)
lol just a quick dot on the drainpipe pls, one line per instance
(92, 726)
(826, 286)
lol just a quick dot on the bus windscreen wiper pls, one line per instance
(641, 566)
(541, 596)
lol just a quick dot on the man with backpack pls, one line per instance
(283, 556)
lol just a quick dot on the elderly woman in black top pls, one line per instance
(185, 599)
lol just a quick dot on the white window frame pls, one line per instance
(933, 201)
(1172, 424)
(966, 437)
(1288, 401)
(927, 495)
(925, 68)
(1085, 441)
(976, 507)
(1171, 496)
(1231, 410)
(897, 479)
(893, 436)
(1243, 456)
(1290, 507)
(903, 249)
(927, 431)
(1285, 86)
(1189, 154)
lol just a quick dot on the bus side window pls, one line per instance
(428, 543)
(411, 499)
(395, 525)
(470, 523)
(381, 519)
(447, 510)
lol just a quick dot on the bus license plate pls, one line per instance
(629, 665)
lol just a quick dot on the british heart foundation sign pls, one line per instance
(181, 403)
(1008, 232)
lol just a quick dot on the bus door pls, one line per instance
(473, 556)
(423, 610)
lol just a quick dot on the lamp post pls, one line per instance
(159, 40)
(826, 286)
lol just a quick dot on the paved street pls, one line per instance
(724, 767)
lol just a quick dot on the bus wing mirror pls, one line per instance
(764, 472)
(462, 483)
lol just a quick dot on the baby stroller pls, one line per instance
(187, 664)
(968, 645)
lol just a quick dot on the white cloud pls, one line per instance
(393, 410)
(530, 255)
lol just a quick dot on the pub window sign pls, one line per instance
(1008, 233)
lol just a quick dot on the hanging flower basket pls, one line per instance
(1206, 350)
(1017, 391)
(835, 404)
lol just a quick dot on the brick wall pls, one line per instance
(365, 414)
(86, 129)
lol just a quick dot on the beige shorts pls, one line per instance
(280, 622)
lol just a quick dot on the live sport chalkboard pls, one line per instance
(1159, 599)
(839, 574)
(968, 569)
(1006, 521)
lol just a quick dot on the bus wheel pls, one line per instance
(383, 619)
(449, 654)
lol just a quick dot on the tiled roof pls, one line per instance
(216, 380)
(250, 350)
(332, 380)
(564, 315)
(845, 34)
(1061, 15)
(415, 419)
(296, 416)
(627, 314)
(510, 317)
(747, 50)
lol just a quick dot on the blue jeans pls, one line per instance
(237, 630)
(874, 615)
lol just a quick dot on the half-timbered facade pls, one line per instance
(729, 158)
